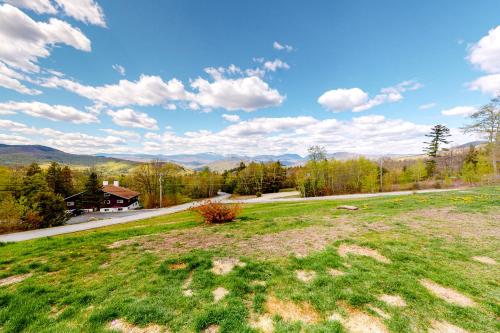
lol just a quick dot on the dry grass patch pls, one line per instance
(447, 294)
(392, 300)
(263, 323)
(291, 312)
(212, 329)
(445, 327)
(224, 266)
(305, 276)
(186, 291)
(125, 327)
(485, 260)
(177, 266)
(360, 322)
(335, 272)
(450, 223)
(345, 249)
(14, 279)
(220, 293)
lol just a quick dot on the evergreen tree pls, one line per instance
(67, 188)
(53, 177)
(439, 135)
(93, 187)
(33, 169)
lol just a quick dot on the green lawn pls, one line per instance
(139, 272)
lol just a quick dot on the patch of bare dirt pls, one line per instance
(360, 322)
(56, 311)
(186, 290)
(345, 249)
(14, 279)
(450, 223)
(392, 300)
(335, 272)
(177, 266)
(445, 327)
(447, 294)
(305, 276)
(298, 242)
(220, 293)
(263, 323)
(212, 329)
(125, 327)
(291, 312)
(223, 266)
(485, 260)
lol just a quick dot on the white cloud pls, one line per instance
(459, 111)
(488, 84)
(343, 99)
(119, 68)
(23, 40)
(276, 64)
(147, 91)
(51, 112)
(247, 94)
(87, 11)
(280, 47)
(427, 106)
(124, 134)
(38, 6)
(231, 117)
(485, 54)
(280, 135)
(357, 100)
(10, 79)
(131, 118)
(14, 139)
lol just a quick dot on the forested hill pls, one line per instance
(25, 154)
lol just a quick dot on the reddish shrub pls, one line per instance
(214, 212)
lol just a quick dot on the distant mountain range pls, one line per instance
(25, 154)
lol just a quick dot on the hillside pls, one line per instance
(13, 155)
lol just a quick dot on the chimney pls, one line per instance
(116, 183)
(105, 182)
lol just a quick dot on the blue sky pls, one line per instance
(243, 77)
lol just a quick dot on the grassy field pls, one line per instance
(399, 264)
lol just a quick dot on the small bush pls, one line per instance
(214, 212)
(258, 194)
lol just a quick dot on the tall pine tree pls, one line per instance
(439, 135)
(91, 196)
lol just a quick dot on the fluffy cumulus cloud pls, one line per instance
(343, 99)
(231, 117)
(459, 111)
(147, 91)
(23, 40)
(131, 118)
(282, 47)
(485, 55)
(280, 135)
(87, 11)
(11, 79)
(245, 93)
(47, 111)
(357, 100)
(275, 64)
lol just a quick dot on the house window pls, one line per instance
(119, 201)
(106, 195)
(107, 202)
(120, 209)
(70, 203)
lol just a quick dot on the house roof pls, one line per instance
(119, 191)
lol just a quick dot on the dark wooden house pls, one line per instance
(113, 198)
